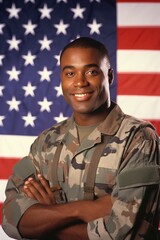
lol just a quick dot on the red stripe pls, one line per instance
(139, 38)
(139, 84)
(138, 1)
(6, 166)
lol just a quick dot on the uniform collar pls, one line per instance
(109, 126)
(113, 121)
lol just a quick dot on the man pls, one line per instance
(93, 176)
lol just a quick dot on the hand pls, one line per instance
(39, 191)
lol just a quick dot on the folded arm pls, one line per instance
(60, 219)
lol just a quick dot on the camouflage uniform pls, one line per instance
(128, 170)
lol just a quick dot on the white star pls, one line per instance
(32, 1)
(45, 74)
(61, 27)
(45, 105)
(95, 0)
(29, 120)
(45, 43)
(1, 28)
(29, 58)
(58, 1)
(45, 11)
(57, 57)
(59, 90)
(78, 11)
(94, 26)
(29, 90)
(60, 118)
(1, 90)
(13, 74)
(29, 27)
(1, 58)
(14, 43)
(1, 120)
(13, 104)
(13, 11)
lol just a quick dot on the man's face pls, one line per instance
(84, 74)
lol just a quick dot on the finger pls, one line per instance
(39, 192)
(47, 188)
(28, 192)
(36, 186)
(33, 189)
(45, 184)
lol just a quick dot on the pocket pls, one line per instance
(61, 171)
(104, 182)
(105, 176)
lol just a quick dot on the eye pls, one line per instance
(69, 74)
(92, 72)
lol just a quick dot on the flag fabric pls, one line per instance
(32, 35)
(138, 59)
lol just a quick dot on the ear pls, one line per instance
(110, 76)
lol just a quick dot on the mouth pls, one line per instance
(82, 96)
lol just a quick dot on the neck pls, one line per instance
(93, 118)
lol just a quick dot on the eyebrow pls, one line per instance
(87, 66)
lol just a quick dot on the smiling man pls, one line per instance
(94, 176)
(85, 82)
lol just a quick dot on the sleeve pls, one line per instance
(17, 202)
(135, 194)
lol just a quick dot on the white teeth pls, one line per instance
(80, 94)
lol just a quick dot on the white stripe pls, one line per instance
(138, 14)
(138, 61)
(2, 189)
(3, 236)
(144, 107)
(15, 146)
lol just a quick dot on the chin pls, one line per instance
(83, 110)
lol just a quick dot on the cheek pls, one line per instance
(65, 90)
(66, 82)
(103, 85)
(104, 89)
(62, 86)
(65, 85)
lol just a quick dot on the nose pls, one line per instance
(80, 80)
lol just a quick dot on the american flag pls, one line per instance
(32, 35)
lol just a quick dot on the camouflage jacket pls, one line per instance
(128, 170)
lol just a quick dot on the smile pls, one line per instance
(80, 94)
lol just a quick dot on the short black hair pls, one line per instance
(86, 42)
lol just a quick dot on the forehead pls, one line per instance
(81, 54)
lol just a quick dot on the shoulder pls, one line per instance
(53, 134)
(142, 128)
(57, 128)
(127, 124)
(142, 138)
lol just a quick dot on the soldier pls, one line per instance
(94, 176)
